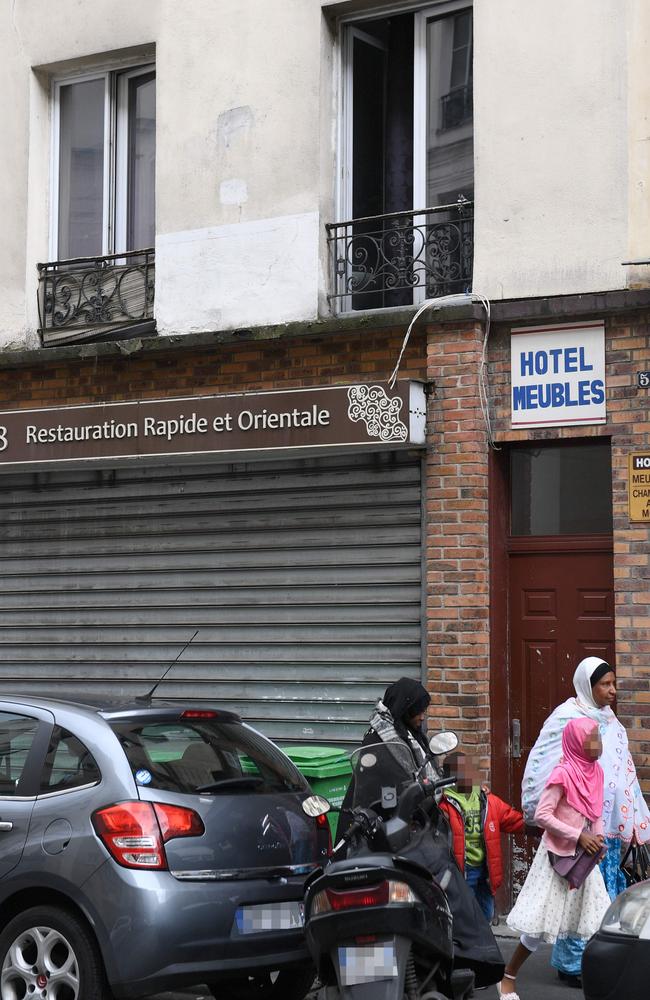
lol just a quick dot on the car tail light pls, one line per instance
(383, 894)
(135, 832)
(196, 713)
(322, 823)
(131, 833)
(175, 821)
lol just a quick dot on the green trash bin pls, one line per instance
(328, 771)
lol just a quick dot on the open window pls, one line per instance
(407, 158)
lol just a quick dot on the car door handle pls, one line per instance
(5, 826)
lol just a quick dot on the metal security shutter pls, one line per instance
(302, 576)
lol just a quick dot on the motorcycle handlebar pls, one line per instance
(365, 819)
(362, 822)
(435, 786)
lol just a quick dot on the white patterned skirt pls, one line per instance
(547, 908)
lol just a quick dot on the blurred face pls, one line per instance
(604, 691)
(415, 721)
(592, 745)
(467, 774)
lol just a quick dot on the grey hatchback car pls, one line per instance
(145, 847)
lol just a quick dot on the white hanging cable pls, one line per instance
(464, 298)
(483, 384)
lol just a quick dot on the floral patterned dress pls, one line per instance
(549, 909)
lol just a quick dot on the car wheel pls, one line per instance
(48, 952)
(286, 984)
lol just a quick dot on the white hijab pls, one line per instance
(584, 689)
(624, 809)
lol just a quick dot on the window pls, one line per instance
(409, 110)
(17, 734)
(407, 159)
(563, 489)
(218, 756)
(104, 153)
(68, 764)
(449, 109)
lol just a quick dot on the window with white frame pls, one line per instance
(104, 153)
(407, 110)
(406, 147)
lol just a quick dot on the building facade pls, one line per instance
(247, 248)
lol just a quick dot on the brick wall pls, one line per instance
(627, 347)
(456, 512)
(250, 365)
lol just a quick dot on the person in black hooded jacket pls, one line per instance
(399, 718)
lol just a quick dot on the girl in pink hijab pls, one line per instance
(570, 813)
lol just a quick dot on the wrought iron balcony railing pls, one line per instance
(401, 258)
(96, 298)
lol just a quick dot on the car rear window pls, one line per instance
(191, 755)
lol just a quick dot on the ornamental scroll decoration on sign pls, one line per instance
(379, 412)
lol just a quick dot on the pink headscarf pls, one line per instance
(582, 779)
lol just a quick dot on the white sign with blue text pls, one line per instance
(558, 375)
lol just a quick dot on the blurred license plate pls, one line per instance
(263, 917)
(367, 963)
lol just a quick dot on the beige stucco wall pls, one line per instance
(551, 149)
(238, 150)
(14, 108)
(247, 94)
(638, 32)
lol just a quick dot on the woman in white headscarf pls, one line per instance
(625, 812)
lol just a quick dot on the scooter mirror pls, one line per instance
(316, 805)
(443, 743)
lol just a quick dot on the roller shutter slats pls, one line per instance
(303, 577)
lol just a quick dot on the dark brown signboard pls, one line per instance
(335, 416)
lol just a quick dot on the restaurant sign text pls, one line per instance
(330, 416)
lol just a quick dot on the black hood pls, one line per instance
(406, 698)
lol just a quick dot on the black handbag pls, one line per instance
(635, 864)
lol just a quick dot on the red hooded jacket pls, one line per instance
(497, 817)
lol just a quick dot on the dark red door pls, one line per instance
(561, 603)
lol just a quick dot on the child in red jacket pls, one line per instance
(477, 818)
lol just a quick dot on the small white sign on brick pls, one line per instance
(558, 375)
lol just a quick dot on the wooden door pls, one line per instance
(561, 604)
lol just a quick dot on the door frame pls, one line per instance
(499, 651)
(501, 546)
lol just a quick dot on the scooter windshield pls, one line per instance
(381, 772)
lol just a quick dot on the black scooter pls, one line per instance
(378, 924)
